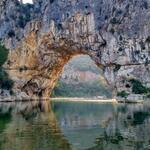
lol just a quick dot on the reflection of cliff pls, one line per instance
(129, 129)
(104, 127)
(33, 127)
(76, 115)
(81, 123)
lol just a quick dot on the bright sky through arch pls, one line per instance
(27, 1)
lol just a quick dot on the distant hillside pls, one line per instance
(80, 69)
(83, 63)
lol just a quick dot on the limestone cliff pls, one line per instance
(44, 36)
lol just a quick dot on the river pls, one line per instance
(74, 126)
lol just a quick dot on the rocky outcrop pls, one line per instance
(44, 36)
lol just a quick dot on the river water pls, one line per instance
(74, 126)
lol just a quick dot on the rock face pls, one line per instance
(44, 36)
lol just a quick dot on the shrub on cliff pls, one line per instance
(137, 87)
(123, 94)
(5, 82)
(148, 95)
(3, 54)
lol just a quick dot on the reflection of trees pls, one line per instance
(5, 118)
(31, 130)
(129, 129)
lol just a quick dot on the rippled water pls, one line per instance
(74, 126)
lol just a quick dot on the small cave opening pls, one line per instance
(81, 77)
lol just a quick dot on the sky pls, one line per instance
(27, 1)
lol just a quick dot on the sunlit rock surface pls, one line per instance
(44, 36)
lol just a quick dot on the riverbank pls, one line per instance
(76, 99)
(130, 101)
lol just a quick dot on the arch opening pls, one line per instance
(81, 77)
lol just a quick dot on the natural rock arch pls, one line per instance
(114, 33)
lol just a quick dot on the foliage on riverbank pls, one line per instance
(5, 82)
(3, 54)
(122, 94)
(86, 89)
(137, 88)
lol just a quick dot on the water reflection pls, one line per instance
(32, 126)
(74, 126)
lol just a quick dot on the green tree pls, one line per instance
(137, 87)
(3, 54)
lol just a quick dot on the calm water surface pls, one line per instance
(74, 126)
